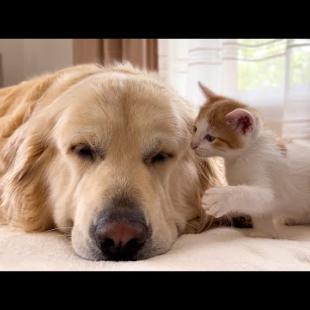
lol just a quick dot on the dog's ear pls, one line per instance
(24, 153)
(23, 188)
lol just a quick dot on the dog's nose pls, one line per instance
(121, 231)
(121, 240)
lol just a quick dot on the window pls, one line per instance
(273, 75)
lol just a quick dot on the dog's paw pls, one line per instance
(215, 202)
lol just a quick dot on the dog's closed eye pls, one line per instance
(85, 151)
(159, 157)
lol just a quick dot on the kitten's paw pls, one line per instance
(215, 202)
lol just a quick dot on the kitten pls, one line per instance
(267, 179)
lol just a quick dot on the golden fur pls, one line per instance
(120, 110)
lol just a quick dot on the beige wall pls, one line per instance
(12, 58)
(25, 58)
(46, 55)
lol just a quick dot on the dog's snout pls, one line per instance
(121, 240)
(121, 232)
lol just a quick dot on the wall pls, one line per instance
(25, 58)
(46, 55)
(11, 51)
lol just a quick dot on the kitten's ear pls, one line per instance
(207, 91)
(241, 120)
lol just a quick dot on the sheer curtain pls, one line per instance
(273, 75)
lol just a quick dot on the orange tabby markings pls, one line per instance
(268, 179)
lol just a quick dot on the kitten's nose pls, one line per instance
(194, 145)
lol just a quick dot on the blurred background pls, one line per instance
(272, 75)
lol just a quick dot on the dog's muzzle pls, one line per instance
(121, 232)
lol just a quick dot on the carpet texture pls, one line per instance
(217, 249)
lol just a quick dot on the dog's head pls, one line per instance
(108, 159)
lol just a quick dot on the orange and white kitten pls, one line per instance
(268, 180)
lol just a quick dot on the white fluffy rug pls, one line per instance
(217, 249)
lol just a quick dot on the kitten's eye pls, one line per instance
(194, 129)
(84, 151)
(210, 138)
(159, 158)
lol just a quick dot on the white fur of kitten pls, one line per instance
(266, 180)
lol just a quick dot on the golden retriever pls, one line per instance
(104, 155)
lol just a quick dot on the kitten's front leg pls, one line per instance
(215, 201)
(252, 200)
